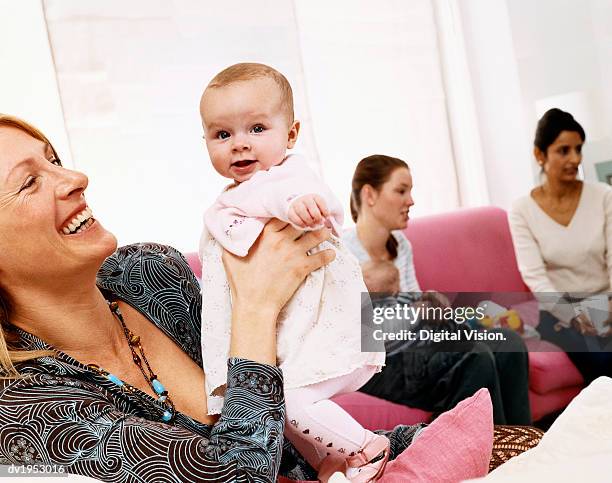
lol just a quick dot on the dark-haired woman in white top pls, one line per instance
(562, 233)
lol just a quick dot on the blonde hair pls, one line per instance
(246, 71)
(9, 355)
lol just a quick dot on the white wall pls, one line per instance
(527, 56)
(564, 51)
(131, 75)
(28, 87)
(601, 18)
(366, 79)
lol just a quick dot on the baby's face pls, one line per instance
(245, 128)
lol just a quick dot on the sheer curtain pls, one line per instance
(467, 147)
(366, 76)
(373, 77)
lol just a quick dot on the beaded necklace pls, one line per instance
(151, 378)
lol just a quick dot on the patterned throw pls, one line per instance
(510, 441)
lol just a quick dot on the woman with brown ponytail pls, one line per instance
(434, 381)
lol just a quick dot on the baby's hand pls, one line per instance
(308, 211)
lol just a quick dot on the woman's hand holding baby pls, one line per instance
(263, 282)
(308, 211)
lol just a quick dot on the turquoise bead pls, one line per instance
(158, 387)
(115, 379)
(167, 416)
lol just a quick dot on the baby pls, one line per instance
(381, 277)
(247, 116)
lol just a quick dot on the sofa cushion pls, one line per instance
(552, 401)
(468, 250)
(551, 370)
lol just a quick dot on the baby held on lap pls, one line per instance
(247, 116)
(381, 276)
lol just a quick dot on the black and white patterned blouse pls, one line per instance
(62, 413)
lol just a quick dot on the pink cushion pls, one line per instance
(194, 263)
(375, 413)
(455, 447)
(468, 250)
(549, 371)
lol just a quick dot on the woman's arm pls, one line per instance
(608, 239)
(528, 256)
(533, 269)
(405, 265)
(58, 420)
(608, 231)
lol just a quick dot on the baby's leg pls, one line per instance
(318, 427)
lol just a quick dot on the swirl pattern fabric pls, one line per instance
(62, 413)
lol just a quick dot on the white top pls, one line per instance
(574, 258)
(403, 261)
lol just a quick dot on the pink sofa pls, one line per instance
(470, 250)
